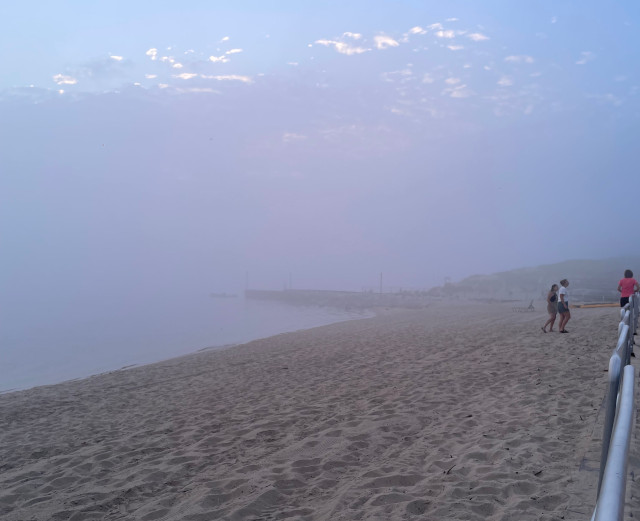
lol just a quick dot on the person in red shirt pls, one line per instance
(627, 287)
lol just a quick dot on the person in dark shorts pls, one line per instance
(552, 307)
(627, 287)
(563, 306)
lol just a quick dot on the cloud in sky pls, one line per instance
(414, 31)
(477, 37)
(292, 137)
(104, 72)
(521, 58)
(384, 42)
(152, 53)
(228, 77)
(458, 91)
(505, 81)
(196, 90)
(217, 77)
(185, 75)
(403, 75)
(342, 47)
(455, 47)
(609, 98)
(219, 59)
(446, 34)
(585, 57)
(62, 79)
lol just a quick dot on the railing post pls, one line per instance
(636, 301)
(627, 351)
(623, 344)
(610, 412)
(635, 307)
(632, 321)
(610, 505)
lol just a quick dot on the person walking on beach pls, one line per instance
(552, 307)
(627, 287)
(563, 306)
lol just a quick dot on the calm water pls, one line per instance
(61, 345)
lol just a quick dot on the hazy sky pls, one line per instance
(165, 147)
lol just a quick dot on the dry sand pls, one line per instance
(465, 412)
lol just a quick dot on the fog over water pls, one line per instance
(159, 152)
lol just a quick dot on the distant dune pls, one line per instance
(590, 281)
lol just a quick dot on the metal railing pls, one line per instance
(618, 422)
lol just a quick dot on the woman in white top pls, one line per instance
(563, 306)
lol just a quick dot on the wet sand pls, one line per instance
(456, 412)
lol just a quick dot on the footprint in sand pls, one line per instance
(417, 507)
(389, 499)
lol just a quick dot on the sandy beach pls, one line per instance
(465, 412)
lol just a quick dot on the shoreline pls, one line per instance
(127, 366)
(450, 412)
(373, 312)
